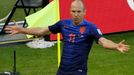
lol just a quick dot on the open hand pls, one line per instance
(122, 47)
(12, 29)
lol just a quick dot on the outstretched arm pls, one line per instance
(122, 47)
(32, 31)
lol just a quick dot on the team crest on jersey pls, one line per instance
(82, 29)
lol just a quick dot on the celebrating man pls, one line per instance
(78, 36)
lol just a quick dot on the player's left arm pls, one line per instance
(106, 43)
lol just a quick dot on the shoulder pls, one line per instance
(90, 24)
(64, 21)
(94, 28)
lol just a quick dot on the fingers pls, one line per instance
(122, 42)
(125, 49)
(122, 51)
(8, 32)
(8, 28)
(122, 47)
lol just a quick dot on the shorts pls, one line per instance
(71, 73)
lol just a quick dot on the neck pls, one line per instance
(76, 23)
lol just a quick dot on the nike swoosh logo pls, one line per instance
(131, 4)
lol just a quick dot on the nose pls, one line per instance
(75, 14)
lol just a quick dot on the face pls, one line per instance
(77, 12)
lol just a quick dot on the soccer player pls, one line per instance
(78, 36)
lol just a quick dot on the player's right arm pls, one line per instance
(32, 31)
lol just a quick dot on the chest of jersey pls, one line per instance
(75, 34)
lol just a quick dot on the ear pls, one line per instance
(85, 12)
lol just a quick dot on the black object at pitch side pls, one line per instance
(14, 67)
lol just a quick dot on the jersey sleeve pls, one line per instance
(96, 33)
(56, 28)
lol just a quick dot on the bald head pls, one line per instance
(78, 3)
